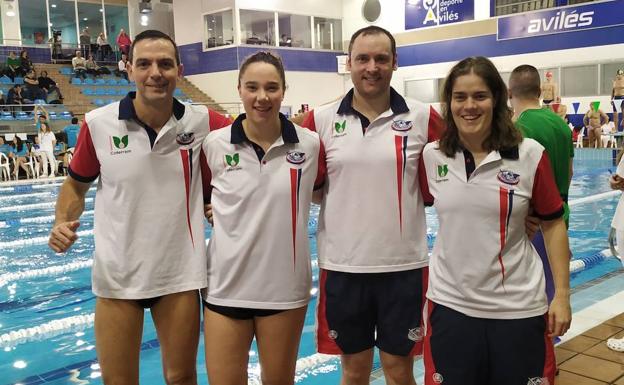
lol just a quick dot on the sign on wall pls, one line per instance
(431, 13)
(561, 20)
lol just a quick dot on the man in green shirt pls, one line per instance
(546, 127)
(12, 66)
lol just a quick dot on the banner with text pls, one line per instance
(431, 13)
(561, 20)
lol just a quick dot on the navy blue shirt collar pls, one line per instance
(127, 111)
(289, 134)
(397, 103)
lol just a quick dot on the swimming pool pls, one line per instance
(46, 304)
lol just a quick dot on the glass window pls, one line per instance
(425, 90)
(328, 33)
(579, 80)
(607, 75)
(294, 31)
(63, 20)
(116, 20)
(91, 23)
(257, 27)
(33, 22)
(219, 29)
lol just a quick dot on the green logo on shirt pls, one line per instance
(232, 160)
(442, 170)
(120, 143)
(340, 127)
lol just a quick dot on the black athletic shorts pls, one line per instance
(357, 311)
(463, 350)
(240, 313)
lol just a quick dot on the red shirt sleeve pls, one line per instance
(217, 120)
(84, 166)
(545, 198)
(308, 122)
(424, 183)
(436, 126)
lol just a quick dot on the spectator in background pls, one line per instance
(21, 152)
(53, 93)
(5, 148)
(25, 63)
(104, 49)
(560, 109)
(32, 90)
(14, 97)
(85, 42)
(80, 65)
(71, 132)
(47, 141)
(12, 66)
(94, 69)
(122, 67)
(123, 41)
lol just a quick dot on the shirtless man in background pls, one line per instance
(594, 119)
(617, 94)
(549, 89)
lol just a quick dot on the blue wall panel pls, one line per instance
(196, 61)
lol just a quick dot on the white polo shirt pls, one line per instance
(483, 264)
(259, 255)
(372, 216)
(149, 222)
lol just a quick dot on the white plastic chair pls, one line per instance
(33, 166)
(5, 168)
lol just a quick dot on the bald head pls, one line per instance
(524, 82)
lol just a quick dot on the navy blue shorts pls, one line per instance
(463, 350)
(357, 311)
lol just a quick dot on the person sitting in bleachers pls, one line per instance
(25, 63)
(94, 69)
(12, 66)
(80, 65)
(122, 67)
(32, 90)
(14, 97)
(20, 150)
(54, 95)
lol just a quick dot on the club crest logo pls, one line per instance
(332, 334)
(402, 125)
(119, 145)
(508, 177)
(185, 138)
(538, 381)
(437, 378)
(415, 334)
(120, 142)
(295, 157)
(441, 172)
(232, 160)
(339, 128)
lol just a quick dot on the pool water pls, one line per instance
(49, 295)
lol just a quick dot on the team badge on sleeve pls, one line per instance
(508, 177)
(402, 125)
(295, 157)
(185, 138)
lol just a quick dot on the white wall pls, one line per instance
(11, 25)
(313, 88)
(324, 8)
